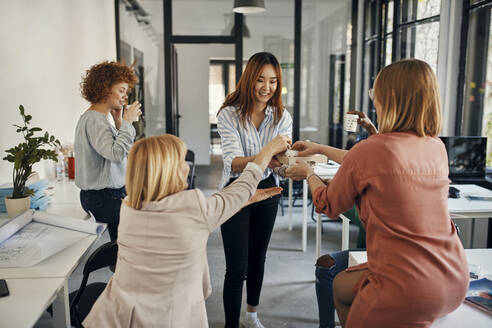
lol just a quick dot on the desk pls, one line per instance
(460, 208)
(465, 315)
(325, 171)
(28, 299)
(55, 270)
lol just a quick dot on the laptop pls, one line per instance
(466, 159)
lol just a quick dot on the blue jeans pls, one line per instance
(327, 267)
(105, 205)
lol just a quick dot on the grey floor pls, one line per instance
(288, 296)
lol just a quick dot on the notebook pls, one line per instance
(480, 294)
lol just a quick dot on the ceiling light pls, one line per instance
(249, 6)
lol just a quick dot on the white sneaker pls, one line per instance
(252, 323)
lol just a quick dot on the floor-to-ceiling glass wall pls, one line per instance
(141, 45)
(477, 99)
(394, 30)
(325, 69)
(419, 30)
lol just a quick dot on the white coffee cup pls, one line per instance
(350, 122)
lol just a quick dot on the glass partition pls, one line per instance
(325, 70)
(477, 102)
(141, 45)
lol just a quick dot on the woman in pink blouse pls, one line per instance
(398, 179)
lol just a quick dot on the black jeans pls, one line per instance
(246, 236)
(105, 205)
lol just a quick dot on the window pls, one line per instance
(372, 53)
(418, 29)
(393, 30)
(476, 118)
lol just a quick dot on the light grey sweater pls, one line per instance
(101, 151)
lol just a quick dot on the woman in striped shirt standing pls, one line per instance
(250, 117)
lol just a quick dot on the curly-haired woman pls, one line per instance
(101, 149)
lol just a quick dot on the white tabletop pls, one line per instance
(27, 300)
(60, 265)
(64, 200)
(477, 208)
(465, 315)
(327, 170)
(38, 286)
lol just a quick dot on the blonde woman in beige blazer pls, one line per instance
(162, 277)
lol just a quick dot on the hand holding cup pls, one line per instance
(132, 112)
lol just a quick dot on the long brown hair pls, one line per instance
(243, 97)
(152, 172)
(409, 96)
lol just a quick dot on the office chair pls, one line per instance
(82, 300)
(190, 158)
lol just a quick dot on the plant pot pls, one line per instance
(16, 206)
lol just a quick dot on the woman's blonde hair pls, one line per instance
(408, 97)
(153, 170)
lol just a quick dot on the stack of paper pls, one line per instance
(39, 200)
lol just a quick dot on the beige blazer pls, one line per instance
(162, 277)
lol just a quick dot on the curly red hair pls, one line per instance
(98, 80)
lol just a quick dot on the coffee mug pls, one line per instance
(350, 122)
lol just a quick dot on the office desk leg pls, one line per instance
(290, 204)
(318, 235)
(61, 308)
(304, 215)
(472, 232)
(345, 232)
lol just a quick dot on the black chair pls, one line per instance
(190, 158)
(82, 300)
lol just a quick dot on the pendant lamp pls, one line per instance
(249, 6)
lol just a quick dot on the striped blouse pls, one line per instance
(237, 141)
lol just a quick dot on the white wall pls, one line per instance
(46, 47)
(193, 80)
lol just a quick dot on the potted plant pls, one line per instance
(24, 156)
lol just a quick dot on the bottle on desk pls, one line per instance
(71, 166)
(60, 167)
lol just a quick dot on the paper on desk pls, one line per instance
(68, 223)
(34, 243)
(34, 236)
(15, 224)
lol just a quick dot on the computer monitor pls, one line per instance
(466, 156)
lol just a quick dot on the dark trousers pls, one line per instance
(327, 267)
(246, 236)
(105, 205)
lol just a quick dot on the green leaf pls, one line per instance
(35, 129)
(21, 108)
(28, 118)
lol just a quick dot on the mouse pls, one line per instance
(453, 192)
